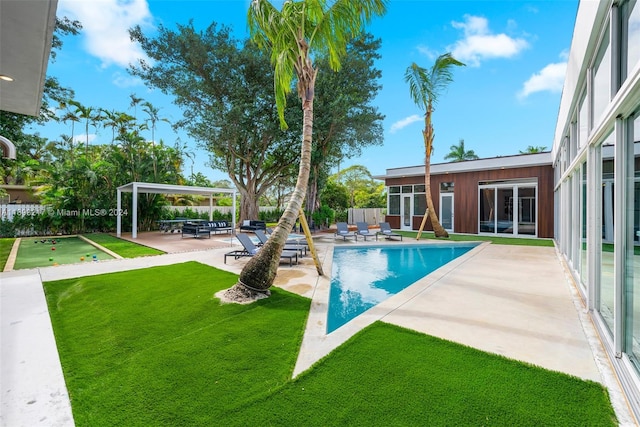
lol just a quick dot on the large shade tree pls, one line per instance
(345, 120)
(225, 90)
(292, 36)
(425, 86)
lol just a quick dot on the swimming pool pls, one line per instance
(362, 277)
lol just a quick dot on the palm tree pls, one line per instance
(70, 116)
(459, 154)
(134, 103)
(291, 36)
(532, 150)
(90, 116)
(425, 86)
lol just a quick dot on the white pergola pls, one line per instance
(153, 188)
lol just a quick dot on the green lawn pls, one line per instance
(122, 247)
(153, 347)
(467, 237)
(6, 243)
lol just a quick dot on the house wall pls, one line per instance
(466, 196)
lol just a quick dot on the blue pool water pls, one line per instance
(365, 276)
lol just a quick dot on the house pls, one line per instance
(596, 157)
(507, 196)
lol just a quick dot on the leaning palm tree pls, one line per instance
(425, 85)
(458, 153)
(292, 35)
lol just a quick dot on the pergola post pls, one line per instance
(119, 213)
(134, 209)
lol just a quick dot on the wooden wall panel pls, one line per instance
(466, 196)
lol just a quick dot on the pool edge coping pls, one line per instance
(316, 343)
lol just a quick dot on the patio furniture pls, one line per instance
(195, 229)
(385, 230)
(250, 250)
(219, 227)
(363, 230)
(252, 225)
(289, 245)
(343, 231)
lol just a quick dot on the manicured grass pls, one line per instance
(6, 243)
(43, 252)
(493, 239)
(389, 376)
(154, 347)
(122, 247)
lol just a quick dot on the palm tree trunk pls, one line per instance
(260, 272)
(428, 136)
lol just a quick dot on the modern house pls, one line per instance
(507, 196)
(596, 157)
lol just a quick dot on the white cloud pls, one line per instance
(480, 44)
(105, 27)
(550, 78)
(404, 123)
(125, 81)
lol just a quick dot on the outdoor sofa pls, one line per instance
(196, 229)
(252, 225)
(216, 227)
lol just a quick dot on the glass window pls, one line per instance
(394, 190)
(504, 211)
(394, 205)
(446, 187)
(632, 36)
(527, 210)
(583, 232)
(419, 204)
(407, 188)
(419, 188)
(607, 288)
(487, 210)
(632, 257)
(601, 79)
(583, 125)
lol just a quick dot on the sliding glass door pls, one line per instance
(508, 208)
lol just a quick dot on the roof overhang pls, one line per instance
(506, 162)
(155, 188)
(26, 31)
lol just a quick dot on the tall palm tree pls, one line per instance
(459, 154)
(134, 103)
(425, 86)
(90, 116)
(69, 116)
(292, 35)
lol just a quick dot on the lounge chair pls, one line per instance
(343, 231)
(385, 230)
(250, 250)
(363, 230)
(289, 246)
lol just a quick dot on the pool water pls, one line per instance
(363, 277)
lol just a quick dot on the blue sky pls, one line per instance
(505, 99)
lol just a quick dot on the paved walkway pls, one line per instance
(516, 301)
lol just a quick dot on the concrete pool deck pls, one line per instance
(515, 301)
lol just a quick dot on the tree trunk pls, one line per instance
(248, 206)
(428, 136)
(260, 271)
